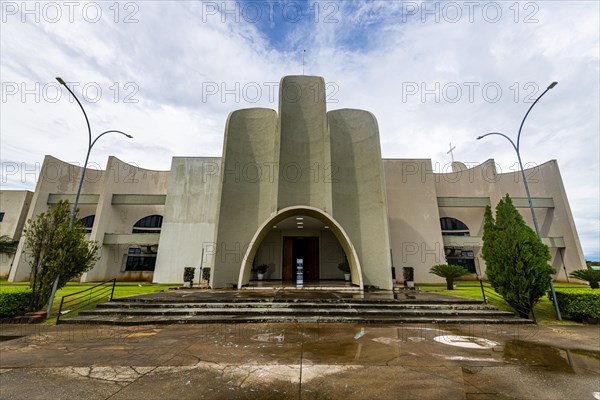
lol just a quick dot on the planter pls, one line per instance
(347, 277)
(260, 276)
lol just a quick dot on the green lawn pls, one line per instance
(544, 309)
(122, 289)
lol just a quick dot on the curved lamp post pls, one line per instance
(517, 150)
(87, 157)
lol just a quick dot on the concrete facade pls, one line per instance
(14, 206)
(117, 197)
(297, 183)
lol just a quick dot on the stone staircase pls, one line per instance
(148, 310)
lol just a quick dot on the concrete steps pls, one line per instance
(148, 311)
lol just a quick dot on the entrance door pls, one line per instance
(306, 248)
(288, 262)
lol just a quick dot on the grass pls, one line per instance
(544, 309)
(122, 289)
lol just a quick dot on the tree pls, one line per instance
(55, 249)
(7, 245)
(516, 260)
(450, 272)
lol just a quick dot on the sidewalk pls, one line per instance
(300, 361)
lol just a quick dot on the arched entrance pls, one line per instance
(312, 212)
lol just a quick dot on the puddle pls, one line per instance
(467, 342)
(6, 338)
(552, 358)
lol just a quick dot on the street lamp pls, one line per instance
(517, 149)
(87, 157)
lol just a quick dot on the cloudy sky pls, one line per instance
(433, 73)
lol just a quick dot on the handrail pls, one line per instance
(488, 292)
(88, 300)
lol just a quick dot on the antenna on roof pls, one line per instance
(303, 53)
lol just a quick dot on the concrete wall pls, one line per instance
(414, 220)
(190, 218)
(15, 206)
(304, 156)
(545, 182)
(59, 180)
(358, 191)
(122, 178)
(331, 255)
(270, 253)
(57, 177)
(246, 188)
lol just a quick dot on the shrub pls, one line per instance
(449, 272)
(188, 274)
(206, 274)
(590, 275)
(579, 304)
(14, 301)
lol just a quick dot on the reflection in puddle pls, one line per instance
(536, 354)
(467, 342)
(463, 358)
(269, 337)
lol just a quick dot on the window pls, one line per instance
(458, 255)
(1, 216)
(144, 258)
(453, 227)
(139, 261)
(462, 257)
(149, 224)
(88, 222)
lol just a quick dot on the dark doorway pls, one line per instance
(306, 248)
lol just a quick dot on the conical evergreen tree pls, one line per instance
(516, 260)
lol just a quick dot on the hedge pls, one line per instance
(14, 300)
(579, 304)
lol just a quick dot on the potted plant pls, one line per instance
(449, 272)
(205, 277)
(408, 273)
(345, 268)
(188, 276)
(260, 271)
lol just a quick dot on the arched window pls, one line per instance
(88, 222)
(453, 227)
(149, 224)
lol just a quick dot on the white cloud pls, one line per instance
(373, 54)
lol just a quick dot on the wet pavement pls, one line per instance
(300, 361)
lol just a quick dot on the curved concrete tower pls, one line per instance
(302, 162)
